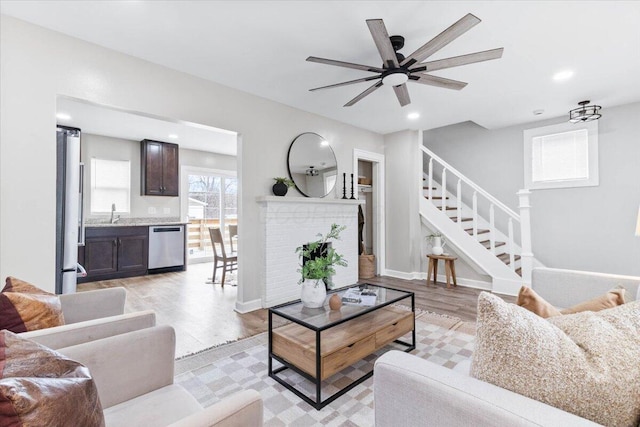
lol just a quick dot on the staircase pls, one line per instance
(499, 246)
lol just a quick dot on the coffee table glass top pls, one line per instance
(321, 318)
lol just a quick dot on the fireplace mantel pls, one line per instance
(289, 222)
(278, 199)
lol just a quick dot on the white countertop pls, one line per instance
(134, 222)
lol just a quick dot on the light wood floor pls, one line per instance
(203, 313)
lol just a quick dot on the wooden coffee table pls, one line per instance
(343, 337)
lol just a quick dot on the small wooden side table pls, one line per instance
(449, 268)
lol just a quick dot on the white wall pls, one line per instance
(39, 64)
(402, 188)
(588, 228)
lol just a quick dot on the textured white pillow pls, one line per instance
(586, 363)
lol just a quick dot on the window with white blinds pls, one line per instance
(110, 185)
(561, 156)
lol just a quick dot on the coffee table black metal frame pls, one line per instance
(318, 403)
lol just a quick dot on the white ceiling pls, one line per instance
(100, 120)
(260, 47)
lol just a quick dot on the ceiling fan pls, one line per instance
(396, 70)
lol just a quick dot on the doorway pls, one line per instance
(212, 201)
(370, 166)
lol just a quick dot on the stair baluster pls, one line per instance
(430, 190)
(492, 229)
(512, 259)
(444, 190)
(475, 215)
(459, 202)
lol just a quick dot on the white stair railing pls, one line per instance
(523, 220)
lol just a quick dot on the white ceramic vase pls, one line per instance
(313, 293)
(438, 246)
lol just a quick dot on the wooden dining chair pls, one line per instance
(233, 232)
(229, 261)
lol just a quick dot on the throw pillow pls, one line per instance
(24, 307)
(612, 298)
(39, 386)
(584, 363)
(529, 299)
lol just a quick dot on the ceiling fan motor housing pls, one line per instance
(397, 42)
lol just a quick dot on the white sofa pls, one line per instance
(134, 375)
(92, 315)
(410, 391)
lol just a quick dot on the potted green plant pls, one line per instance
(281, 186)
(319, 267)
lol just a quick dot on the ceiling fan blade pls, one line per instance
(363, 94)
(345, 64)
(471, 58)
(438, 81)
(403, 94)
(350, 82)
(381, 38)
(441, 40)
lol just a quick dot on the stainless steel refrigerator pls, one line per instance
(69, 210)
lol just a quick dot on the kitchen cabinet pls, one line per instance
(159, 168)
(114, 252)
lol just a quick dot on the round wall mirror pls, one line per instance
(312, 165)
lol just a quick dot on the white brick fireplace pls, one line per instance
(289, 222)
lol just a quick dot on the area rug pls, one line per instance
(214, 374)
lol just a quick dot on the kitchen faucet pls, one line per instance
(114, 218)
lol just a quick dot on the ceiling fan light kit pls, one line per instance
(395, 78)
(396, 70)
(584, 113)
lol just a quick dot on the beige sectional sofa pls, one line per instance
(410, 391)
(134, 375)
(92, 315)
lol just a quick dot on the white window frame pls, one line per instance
(593, 179)
(94, 209)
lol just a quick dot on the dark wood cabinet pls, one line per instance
(101, 255)
(159, 168)
(114, 252)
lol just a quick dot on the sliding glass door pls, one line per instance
(212, 202)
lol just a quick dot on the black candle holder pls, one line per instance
(344, 185)
(353, 197)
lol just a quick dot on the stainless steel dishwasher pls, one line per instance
(166, 246)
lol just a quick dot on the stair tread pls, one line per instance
(480, 231)
(427, 187)
(455, 219)
(436, 197)
(504, 257)
(487, 243)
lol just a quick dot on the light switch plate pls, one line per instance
(151, 210)
(167, 210)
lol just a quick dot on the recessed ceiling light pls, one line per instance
(173, 136)
(324, 142)
(563, 75)
(413, 116)
(63, 116)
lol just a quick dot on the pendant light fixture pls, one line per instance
(584, 113)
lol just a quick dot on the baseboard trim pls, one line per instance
(401, 274)
(416, 275)
(246, 307)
